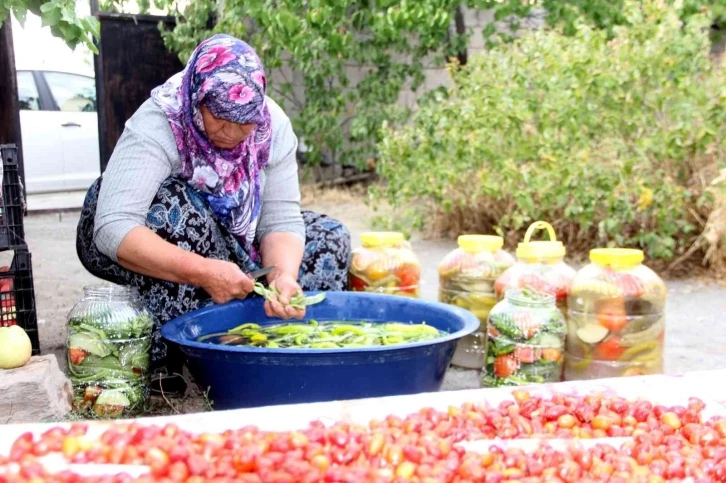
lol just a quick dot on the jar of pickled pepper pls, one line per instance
(109, 349)
(526, 340)
(466, 279)
(616, 317)
(540, 267)
(385, 264)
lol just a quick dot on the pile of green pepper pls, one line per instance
(324, 335)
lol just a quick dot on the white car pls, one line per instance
(59, 128)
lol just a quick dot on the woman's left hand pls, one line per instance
(287, 286)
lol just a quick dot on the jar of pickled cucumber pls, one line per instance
(466, 279)
(526, 340)
(616, 318)
(385, 264)
(109, 344)
(540, 266)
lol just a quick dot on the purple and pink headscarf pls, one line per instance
(225, 75)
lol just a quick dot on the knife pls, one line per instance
(261, 272)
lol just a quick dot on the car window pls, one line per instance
(72, 93)
(28, 92)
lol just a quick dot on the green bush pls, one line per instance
(614, 141)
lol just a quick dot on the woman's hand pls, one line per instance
(225, 281)
(287, 286)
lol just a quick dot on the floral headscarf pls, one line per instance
(225, 75)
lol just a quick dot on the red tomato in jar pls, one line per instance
(357, 284)
(610, 349)
(408, 275)
(505, 366)
(631, 285)
(527, 354)
(611, 314)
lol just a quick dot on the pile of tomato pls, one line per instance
(668, 444)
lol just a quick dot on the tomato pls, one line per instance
(630, 285)
(610, 349)
(611, 314)
(551, 354)
(409, 275)
(357, 284)
(505, 366)
(376, 271)
(527, 354)
(77, 356)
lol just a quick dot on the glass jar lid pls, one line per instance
(617, 257)
(374, 239)
(480, 243)
(530, 250)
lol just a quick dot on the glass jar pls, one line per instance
(385, 264)
(109, 346)
(616, 319)
(540, 266)
(466, 279)
(526, 340)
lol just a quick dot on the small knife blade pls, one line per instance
(261, 272)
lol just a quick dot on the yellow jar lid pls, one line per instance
(617, 257)
(540, 249)
(480, 243)
(381, 238)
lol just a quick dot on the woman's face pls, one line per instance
(224, 134)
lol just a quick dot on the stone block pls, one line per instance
(36, 392)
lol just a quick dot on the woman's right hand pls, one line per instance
(225, 281)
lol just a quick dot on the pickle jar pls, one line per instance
(108, 348)
(540, 267)
(526, 340)
(466, 279)
(385, 264)
(616, 318)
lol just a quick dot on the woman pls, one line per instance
(202, 189)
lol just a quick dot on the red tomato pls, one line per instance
(77, 356)
(610, 349)
(611, 314)
(631, 285)
(551, 355)
(505, 366)
(527, 354)
(357, 284)
(409, 275)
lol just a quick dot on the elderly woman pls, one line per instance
(201, 190)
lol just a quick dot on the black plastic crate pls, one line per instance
(12, 206)
(17, 296)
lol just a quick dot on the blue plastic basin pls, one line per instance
(239, 377)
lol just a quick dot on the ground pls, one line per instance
(695, 338)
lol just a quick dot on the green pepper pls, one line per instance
(242, 327)
(343, 329)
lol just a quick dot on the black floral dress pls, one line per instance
(181, 216)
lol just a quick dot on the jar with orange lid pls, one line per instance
(616, 317)
(466, 279)
(540, 267)
(385, 264)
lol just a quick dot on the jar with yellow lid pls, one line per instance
(466, 279)
(616, 317)
(540, 267)
(386, 264)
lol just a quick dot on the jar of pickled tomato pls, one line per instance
(616, 317)
(466, 279)
(540, 267)
(385, 264)
(526, 340)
